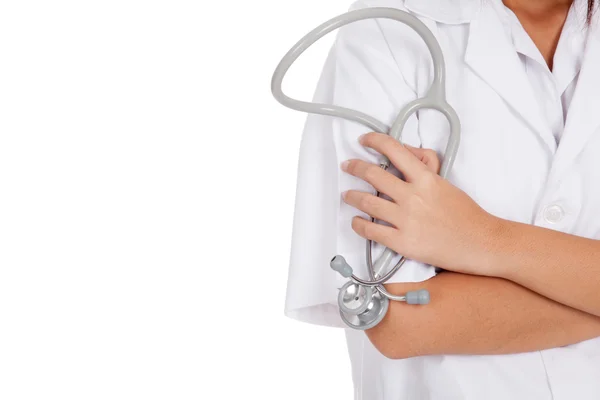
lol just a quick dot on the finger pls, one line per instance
(405, 161)
(427, 156)
(379, 233)
(376, 207)
(382, 180)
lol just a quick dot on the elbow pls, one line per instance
(395, 354)
(390, 344)
(399, 334)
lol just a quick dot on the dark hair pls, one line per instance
(590, 10)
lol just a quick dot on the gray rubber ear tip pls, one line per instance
(418, 297)
(339, 264)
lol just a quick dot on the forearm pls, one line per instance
(478, 315)
(562, 267)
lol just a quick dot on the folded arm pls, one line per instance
(478, 315)
(515, 287)
(436, 223)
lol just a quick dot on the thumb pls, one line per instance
(427, 156)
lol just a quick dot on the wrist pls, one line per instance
(497, 247)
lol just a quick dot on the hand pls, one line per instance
(432, 221)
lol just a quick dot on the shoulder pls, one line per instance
(391, 41)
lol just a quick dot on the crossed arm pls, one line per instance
(515, 287)
(471, 314)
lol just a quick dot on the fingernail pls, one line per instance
(345, 165)
(344, 194)
(361, 138)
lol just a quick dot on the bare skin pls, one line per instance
(471, 314)
(543, 20)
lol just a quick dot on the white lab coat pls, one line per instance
(508, 162)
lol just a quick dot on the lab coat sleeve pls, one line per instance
(359, 73)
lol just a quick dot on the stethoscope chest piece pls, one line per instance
(361, 307)
(354, 299)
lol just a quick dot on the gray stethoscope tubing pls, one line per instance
(434, 99)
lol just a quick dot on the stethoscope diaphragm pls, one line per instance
(374, 312)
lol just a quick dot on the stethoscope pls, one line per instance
(364, 303)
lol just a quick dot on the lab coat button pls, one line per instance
(553, 214)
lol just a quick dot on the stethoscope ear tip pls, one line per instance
(418, 297)
(339, 264)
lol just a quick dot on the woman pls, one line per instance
(516, 313)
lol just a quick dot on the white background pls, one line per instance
(147, 183)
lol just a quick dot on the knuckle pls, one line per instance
(374, 138)
(415, 205)
(388, 237)
(428, 180)
(373, 135)
(431, 154)
(371, 172)
(388, 142)
(368, 202)
(369, 230)
(368, 138)
(384, 137)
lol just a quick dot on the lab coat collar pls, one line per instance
(583, 117)
(445, 11)
(492, 56)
